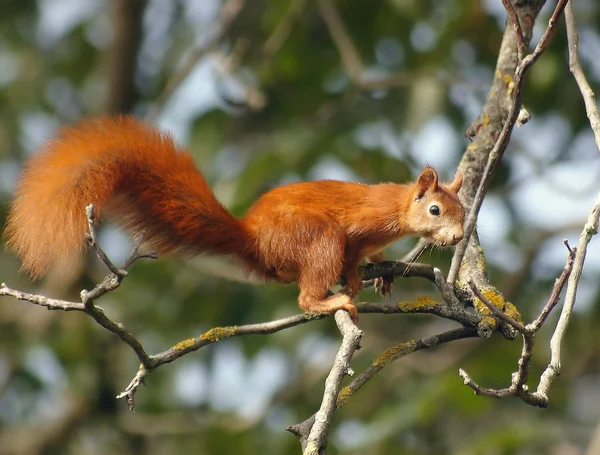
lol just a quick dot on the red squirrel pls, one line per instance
(312, 232)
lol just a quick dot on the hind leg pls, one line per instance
(321, 265)
(353, 279)
(318, 305)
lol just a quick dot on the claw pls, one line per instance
(383, 285)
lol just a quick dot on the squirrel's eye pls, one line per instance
(434, 210)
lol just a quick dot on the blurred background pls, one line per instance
(261, 94)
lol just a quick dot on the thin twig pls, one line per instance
(495, 393)
(400, 351)
(110, 283)
(587, 93)
(91, 238)
(495, 310)
(283, 29)
(211, 336)
(497, 151)
(559, 284)
(514, 19)
(98, 315)
(590, 229)
(113, 281)
(50, 304)
(86, 306)
(135, 255)
(350, 57)
(226, 65)
(591, 226)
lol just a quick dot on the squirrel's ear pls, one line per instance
(428, 180)
(456, 185)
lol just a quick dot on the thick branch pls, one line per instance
(497, 151)
(484, 132)
(351, 335)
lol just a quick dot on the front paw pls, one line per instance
(383, 285)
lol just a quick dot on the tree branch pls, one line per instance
(151, 362)
(518, 387)
(553, 369)
(123, 55)
(591, 227)
(301, 430)
(514, 19)
(351, 335)
(497, 151)
(350, 57)
(589, 97)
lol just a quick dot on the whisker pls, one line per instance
(414, 259)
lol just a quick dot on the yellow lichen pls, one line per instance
(343, 396)
(395, 352)
(184, 344)
(511, 87)
(487, 321)
(218, 333)
(471, 147)
(486, 120)
(419, 303)
(494, 297)
(480, 261)
(513, 312)
(312, 448)
(509, 82)
(498, 300)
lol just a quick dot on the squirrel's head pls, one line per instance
(435, 212)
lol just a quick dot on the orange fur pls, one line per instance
(307, 232)
(128, 170)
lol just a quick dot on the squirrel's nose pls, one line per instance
(457, 238)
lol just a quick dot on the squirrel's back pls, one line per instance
(130, 171)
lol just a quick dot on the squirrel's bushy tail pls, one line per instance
(132, 173)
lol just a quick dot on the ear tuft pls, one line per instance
(456, 185)
(428, 180)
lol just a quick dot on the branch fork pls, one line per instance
(518, 386)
